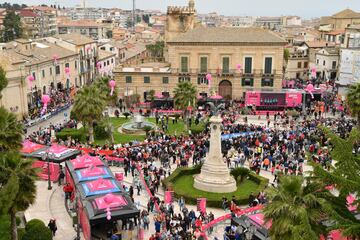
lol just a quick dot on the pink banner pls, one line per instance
(239, 212)
(100, 184)
(259, 219)
(293, 99)
(90, 172)
(85, 161)
(43, 173)
(168, 197)
(252, 98)
(201, 205)
(138, 167)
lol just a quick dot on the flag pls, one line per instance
(201, 205)
(169, 197)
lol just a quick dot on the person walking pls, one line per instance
(52, 226)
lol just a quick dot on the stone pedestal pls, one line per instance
(215, 176)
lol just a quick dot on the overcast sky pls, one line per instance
(304, 8)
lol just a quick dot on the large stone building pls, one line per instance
(212, 50)
(23, 58)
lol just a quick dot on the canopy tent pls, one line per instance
(84, 161)
(121, 207)
(56, 153)
(98, 187)
(29, 147)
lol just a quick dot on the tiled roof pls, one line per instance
(105, 54)
(27, 13)
(347, 13)
(319, 44)
(75, 38)
(228, 35)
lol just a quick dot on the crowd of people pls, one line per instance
(281, 150)
(60, 99)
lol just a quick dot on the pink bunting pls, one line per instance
(209, 78)
(45, 99)
(30, 79)
(112, 84)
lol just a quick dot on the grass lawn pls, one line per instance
(174, 129)
(183, 185)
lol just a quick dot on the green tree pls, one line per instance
(353, 100)
(22, 175)
(156, 50)
(11, 131)
(184, 97)
(90, 102)
(36, 230)
(109, 128)
(103, 85)
(296, 209)
(3, 80)
(286, 55)
(12, 27)
(345, 176)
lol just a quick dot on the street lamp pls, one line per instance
(46, 158)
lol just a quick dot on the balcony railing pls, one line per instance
(230, 73)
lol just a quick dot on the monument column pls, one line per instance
(215, 176)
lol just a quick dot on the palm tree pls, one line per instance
(3, 80)
(18, 173)
(11, 131)
(296, 210)
(345, 176)
(353, 100)
(109, 128)
(90, 102)
(184, 96)
(103, 84)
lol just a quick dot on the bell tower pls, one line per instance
(180, 20)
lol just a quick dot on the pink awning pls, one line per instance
(30, 147)
(110, 201)
(85, 161)
(259, 219)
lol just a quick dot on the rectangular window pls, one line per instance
(184, 64)
(333, 65)
(203, 64)
(248, 65)
(57, 70)
(112, 60)
(226, 65)
(67, 65)
(267, 82)
(324, 62)
(128, 79)
(50, 71)
(299, 64)
(247, 82)
(146, 79)
(34, 75)
(306, 64)
(165, 80)
(317, 61)
(75, 64)
(43, 73)
(268, 65)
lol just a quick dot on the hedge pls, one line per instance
(190, 199)
(77, 134)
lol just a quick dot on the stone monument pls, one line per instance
(215, 176)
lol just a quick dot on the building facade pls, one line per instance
(24, 58)
(217, 51)
(327, 63)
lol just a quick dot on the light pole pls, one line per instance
(47, 159)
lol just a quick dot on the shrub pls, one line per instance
(196, 129)
(100, 132)
(21, 233)
(78, 134)
(240, 172)
(147, 129)
(36, 230)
